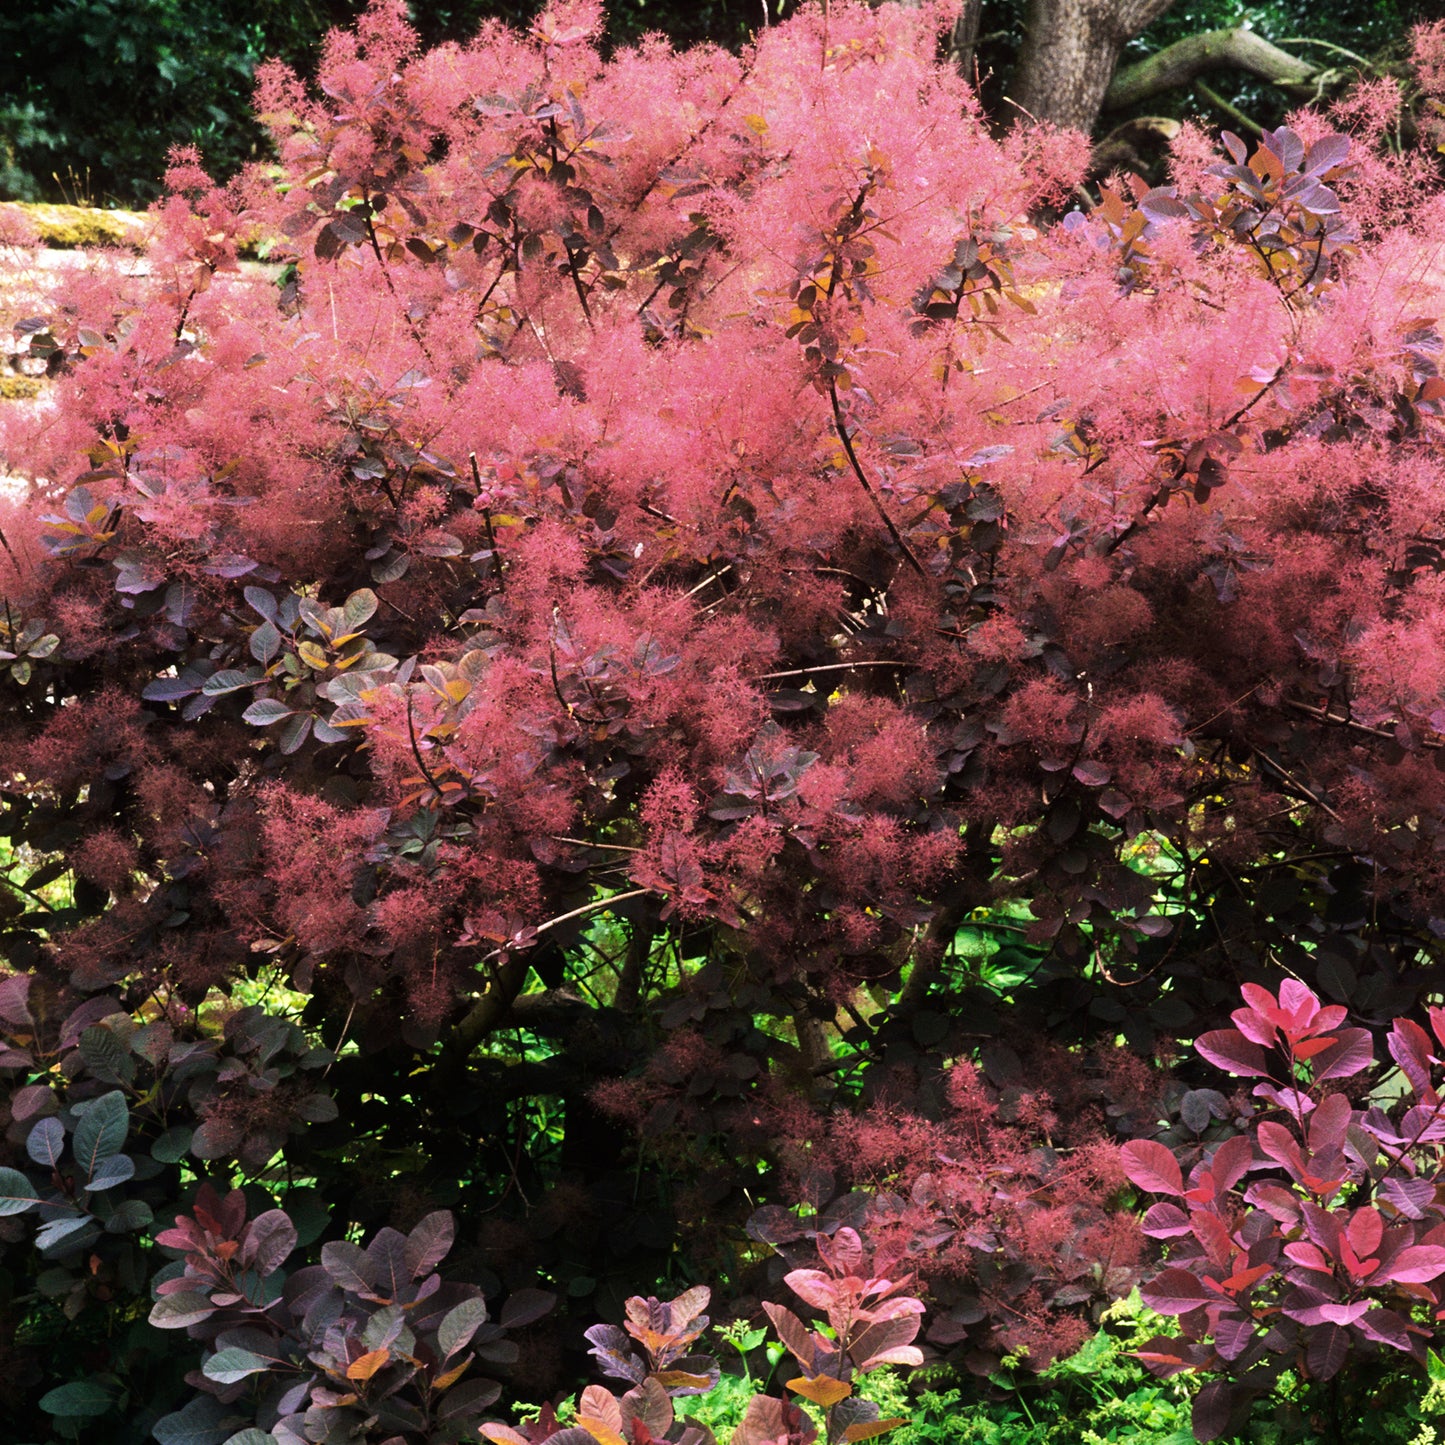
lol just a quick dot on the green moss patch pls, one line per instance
(19, 388)
(66, 227)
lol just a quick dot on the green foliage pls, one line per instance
(1102, 1395)
(1099, 1394)
(93, 92)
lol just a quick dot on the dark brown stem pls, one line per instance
(841, 426)
(577, 286)
(416, 751)
(186, 304)
(1321, 715)
(487, 522)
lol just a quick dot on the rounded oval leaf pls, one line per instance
(17, 1193)
(1151, 1166)
(80, 1399)
(101, 1131)
(228, 1366)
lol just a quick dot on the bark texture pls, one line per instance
(1069, 54)
(964, 39)
(1184, 61)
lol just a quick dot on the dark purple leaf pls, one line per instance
(1353, 1050)
(1151, 1166)
(1160, 205)
(613, 1353)
(349, 1266)
(1174, 1292)
(475, 1397)
(269, 1241)
(216, 1138)
(177, 1311)
(1211, 1411)
(14, 992)
(1166, 1221)
(387, 1252)
(429, 1242)
(1327, 153)
(525, 1307)
(1386, 1327)
(1228, 1049)
(1409, 1196)
(46, 1142)
(1232, 1335)
(1327, 1349)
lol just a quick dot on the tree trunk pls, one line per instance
(964, 39)
(1069, 53)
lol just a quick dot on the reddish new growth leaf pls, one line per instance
(1267, 1267)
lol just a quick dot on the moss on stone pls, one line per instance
(66, 227)
(18, 388)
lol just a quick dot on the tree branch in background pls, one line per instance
(1183, 62)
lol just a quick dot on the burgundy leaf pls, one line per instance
(1365, 1231)
(1277, 1141)
(1328, 1347)
(843, 1253)
(1212, 1408)
(769, 1421)
(1230, 1162)
(813, 1287)
(1164, 1355)
(1309, 1256)
(792, 1332)
(1174, 1292)
(1418, 1264)
(1151, 1166)
(1410, 1048)
(1328, 1124)
(1352, 1051)
(1228, 1049)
